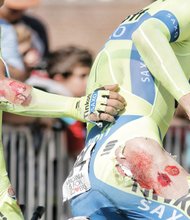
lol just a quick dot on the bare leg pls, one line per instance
(153, 168)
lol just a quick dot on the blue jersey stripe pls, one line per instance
(142, 81)
(171, 22)
(125, 31)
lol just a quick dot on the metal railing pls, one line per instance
(37, 163)
(177, 142)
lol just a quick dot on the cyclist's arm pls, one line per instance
(19, 98)
(153, 39)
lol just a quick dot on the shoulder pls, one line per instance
(178, 8)
(174, 14)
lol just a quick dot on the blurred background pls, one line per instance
(86, 22)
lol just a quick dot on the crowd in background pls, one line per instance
(62, 71)
(25, 49)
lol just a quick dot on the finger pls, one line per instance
(101, 107)
(94, 117)
(106, 117)
(117, 96)
(114, 87)
(102, 100)
(115, 104)
(111, 110)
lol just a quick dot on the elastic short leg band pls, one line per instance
(79, 218)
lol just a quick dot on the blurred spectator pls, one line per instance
(30, 51)
(40, 29)
(17, 47)
(33, 41)
(66, 74)
(15, 13)
(69, 67)
(38, 34)
(9, 44)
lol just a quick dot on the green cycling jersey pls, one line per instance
(148, 55)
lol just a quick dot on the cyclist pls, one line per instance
(124, 172)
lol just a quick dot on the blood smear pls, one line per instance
(17, 87)
(172, 170)
(164, 179)
(140, 164)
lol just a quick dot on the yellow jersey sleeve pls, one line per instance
(160, 38)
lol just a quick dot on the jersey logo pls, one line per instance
(125, 30)
(171, 22)
(142, 81)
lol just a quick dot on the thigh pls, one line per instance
(104, 161)
(113, 186)
(133, 170)
(153, 168)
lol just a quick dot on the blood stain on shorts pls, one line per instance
(172, 170)
(164, 179)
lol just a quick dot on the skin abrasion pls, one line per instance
(172, 170)
(2, 93)
(140, 165)
(15, 92)
(145, 171)
(164, 179)
(18, 89)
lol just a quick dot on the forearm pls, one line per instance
(44, 104)
(153, 45)
(19, 98)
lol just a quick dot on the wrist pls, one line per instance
(79, 108)
(73, 108)
(184, 101)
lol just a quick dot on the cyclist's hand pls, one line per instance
(103, 104)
